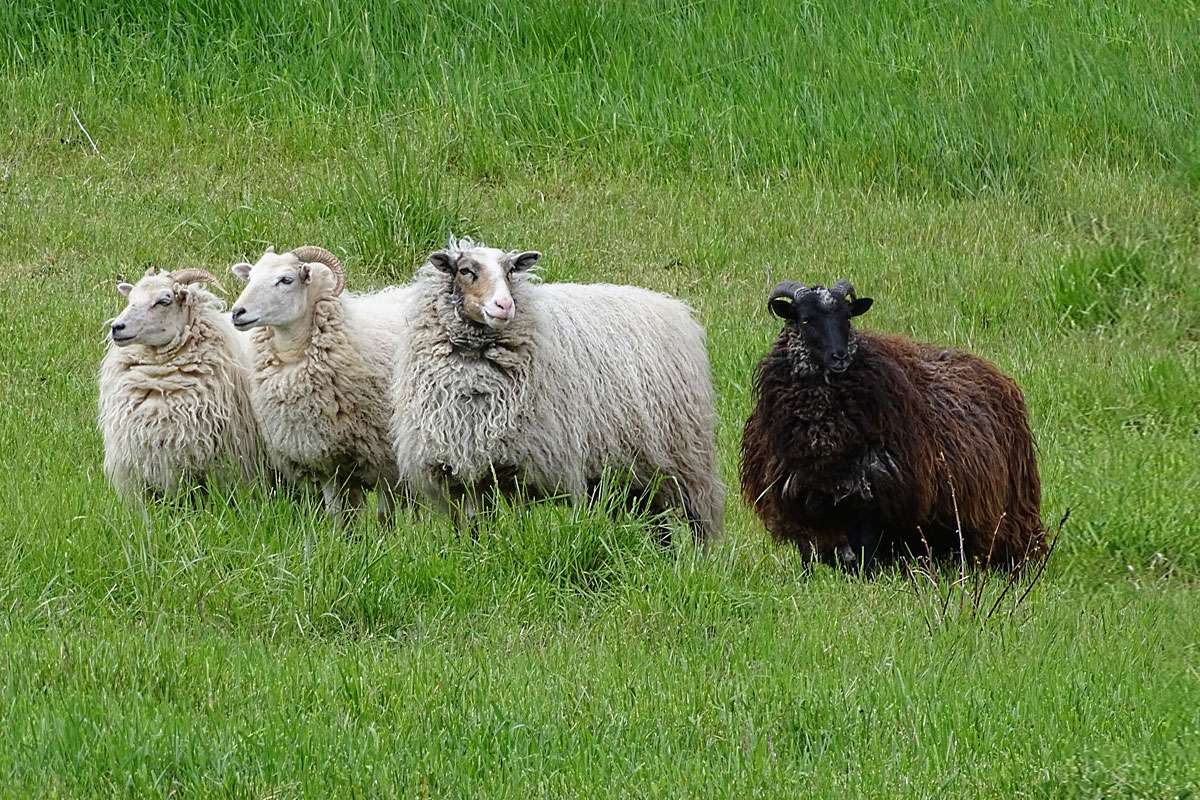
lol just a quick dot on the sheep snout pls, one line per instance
(239, 319)
(499, 312)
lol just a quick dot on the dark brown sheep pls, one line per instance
(862, 447)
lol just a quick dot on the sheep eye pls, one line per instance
(165, 301)
(804, 320)
(465, 271)
(286, 280)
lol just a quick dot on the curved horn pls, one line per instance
(310, 252)
(788, 289)
(782, 296)
(844, 288)
(195, 276)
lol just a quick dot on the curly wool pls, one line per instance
(324, 412)
(175, 415)
(586, 378)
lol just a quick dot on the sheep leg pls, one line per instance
(465, 521)
(466, 514)
(331, 490)
(385, 510)
(405, 495)
(469, 516)
(863, 543)
(144, 506)
(357, 497)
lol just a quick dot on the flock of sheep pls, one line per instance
(476, 381)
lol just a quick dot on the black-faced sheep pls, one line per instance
(319, 386)
(174, 392)
(546, 387)
(863, 446)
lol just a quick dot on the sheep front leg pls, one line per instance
(385, 510)
(467, 515)
(862, 545)
(357, 497)
(144, 506)
(463, 508)
(331, 490)
(448, 495)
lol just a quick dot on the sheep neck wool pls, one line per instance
(322, 410)
(472, 386)
(802, 360)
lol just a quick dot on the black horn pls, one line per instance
(845, 288)
(783, 296)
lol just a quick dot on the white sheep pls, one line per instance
(322, 360)
(505, 383)
(174, 404)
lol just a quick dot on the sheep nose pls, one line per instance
(503, 308)
(117, 327)
(239, 312)
(839, 356)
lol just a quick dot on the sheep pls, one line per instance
(174, 403)
(863, 447)
(508, 386)
(319, 385)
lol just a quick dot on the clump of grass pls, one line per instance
(1160, 392)
(1088, 290)
(399, 206)
(977, 595)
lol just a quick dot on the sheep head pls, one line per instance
(156, 311)
(281, 288)
(481, 280)
(820, 317)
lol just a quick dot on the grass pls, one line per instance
(1017, 179)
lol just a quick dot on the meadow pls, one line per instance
(1018, 178)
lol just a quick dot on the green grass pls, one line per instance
(1015, 178)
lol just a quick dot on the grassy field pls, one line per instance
(1016, 178)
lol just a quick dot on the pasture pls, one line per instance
(1021, 180)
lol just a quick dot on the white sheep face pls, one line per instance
(155, 314)
(280, 290)
(481, 280)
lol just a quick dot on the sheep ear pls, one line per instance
(519, 262)
(306, 272)
(782, 307)
(241, 270)
(860, 306)
(124, 288)
(443, 261)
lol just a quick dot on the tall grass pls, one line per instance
(954, 97)
(400, 203)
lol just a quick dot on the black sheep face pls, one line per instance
(821, 318)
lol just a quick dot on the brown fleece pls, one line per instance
(907, 433)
